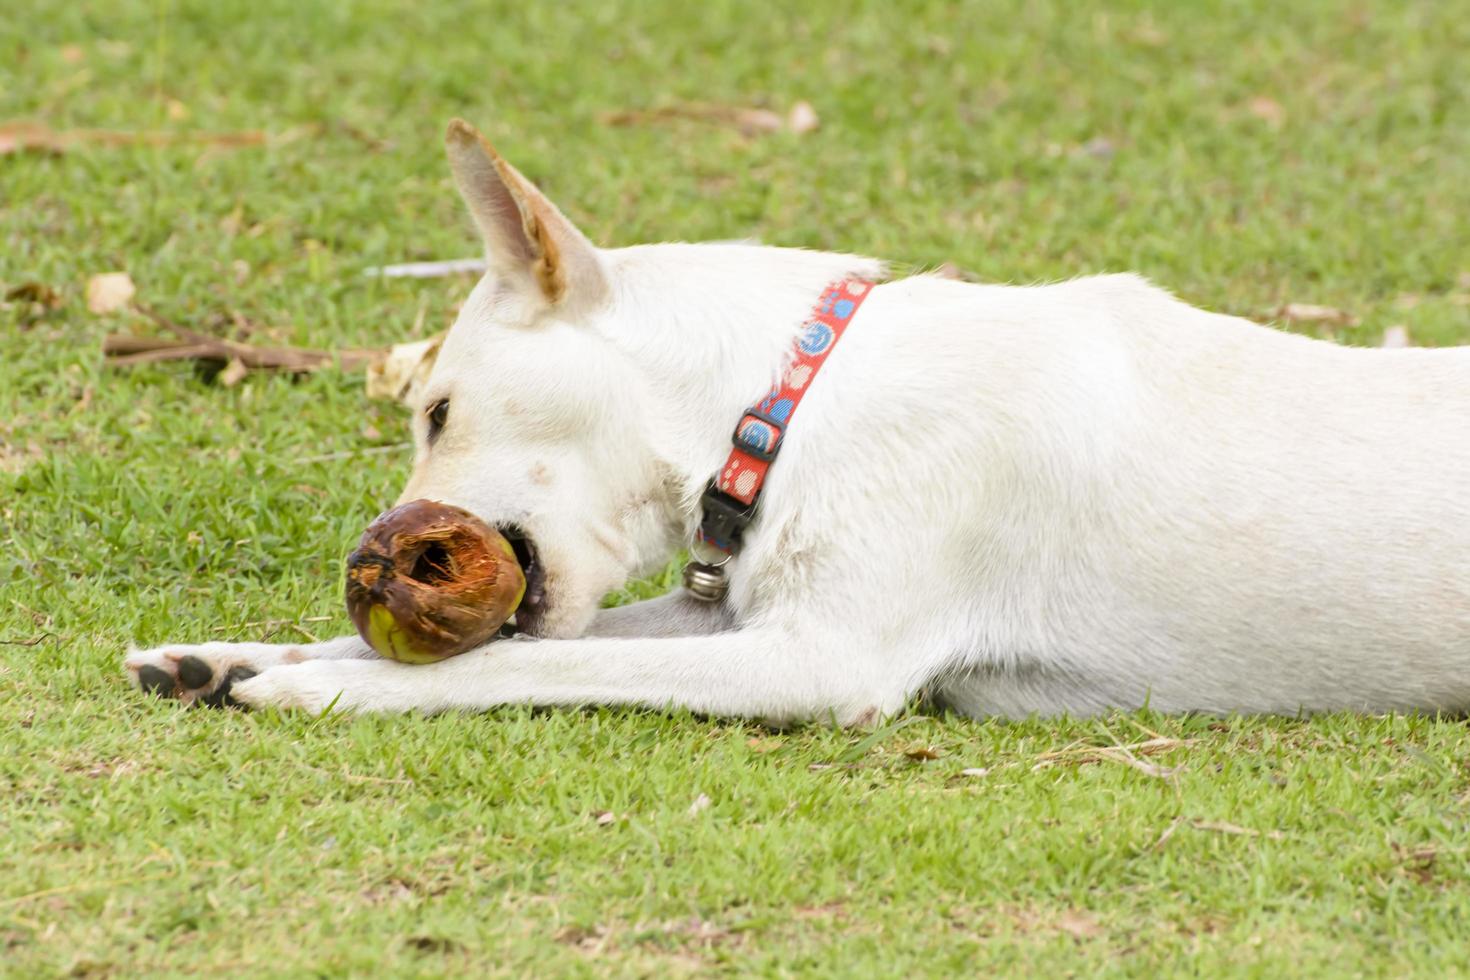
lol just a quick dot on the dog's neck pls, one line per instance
(712, 327)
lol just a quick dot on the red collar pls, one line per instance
(731, 498)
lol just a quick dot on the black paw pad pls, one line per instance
(156, 681)
(195, 673)
(220, 698)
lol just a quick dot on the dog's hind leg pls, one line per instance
(755, 673)
(206, 672)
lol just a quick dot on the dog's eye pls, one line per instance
(438, 415)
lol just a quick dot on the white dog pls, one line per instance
(1017, 500)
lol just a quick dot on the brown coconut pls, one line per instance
(429, 581)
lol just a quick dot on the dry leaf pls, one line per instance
(752, 122)
(109, 292)
(700, 804)
(72, 54)
(802, 118)
(1148, 34)
(1311, 313)
(923, 753)
(233, 373)
(37, 293)
(1099, 148)
(1396, 336)
(14, 459)
(1079, 925)
(826, 911)
(401, 373)
(1267, 109)
(1418, 862)
(761, 746)
(604, 817)
(1426, 854)
(83, 403)
(975, 771)
(393, 890)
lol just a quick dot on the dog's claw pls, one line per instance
(220, 696)
(194, 673)
(156, 681)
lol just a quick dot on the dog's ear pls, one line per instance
(526, 237)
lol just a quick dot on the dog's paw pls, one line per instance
(199, 674)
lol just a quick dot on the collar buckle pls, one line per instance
(725, 518)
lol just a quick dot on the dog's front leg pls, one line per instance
(207, 671)
(755, 673)
(674, 614)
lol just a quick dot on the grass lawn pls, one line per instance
(1242, 153)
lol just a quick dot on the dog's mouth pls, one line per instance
(532, 610)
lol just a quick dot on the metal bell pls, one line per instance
(706, 583)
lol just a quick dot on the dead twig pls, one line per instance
(748, 120)
(24, 135)
(82, 886)
(1127, 755)
(271, 623)
(124, 349)
(1221, 827)
(1147, 768)
(1174, 825)
(428, 270)
(354, 777)
(310, 636)
(1074, 754)
(34, 641)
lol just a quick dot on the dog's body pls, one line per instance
(1021, 500)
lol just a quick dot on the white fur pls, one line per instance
(1043, 499)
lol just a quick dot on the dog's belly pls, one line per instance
(1027, 692)
(1243, 683)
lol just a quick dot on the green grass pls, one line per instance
(148, 505)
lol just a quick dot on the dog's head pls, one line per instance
(530, 418)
